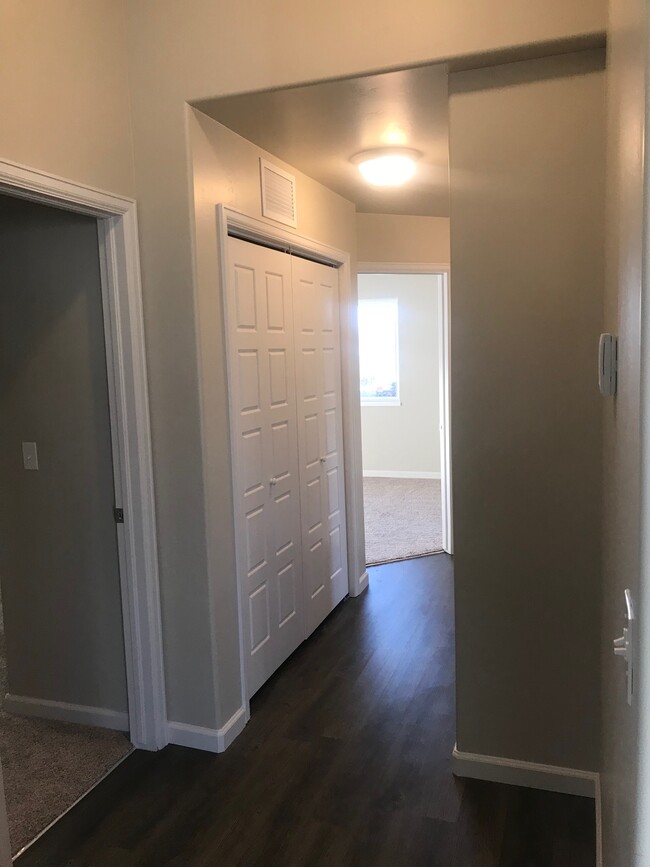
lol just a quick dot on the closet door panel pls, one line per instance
(266, 473)
(320, 427)
(283, 468)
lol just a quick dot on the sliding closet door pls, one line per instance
(266, 473)
(320, 437)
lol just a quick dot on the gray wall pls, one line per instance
(406, 438)
(58, 550)
(527, 232)
(624, 787)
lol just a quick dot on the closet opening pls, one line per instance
(284, 314)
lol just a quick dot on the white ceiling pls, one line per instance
(318, 128)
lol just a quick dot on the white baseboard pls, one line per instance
(62, 711)
(211, 740)
(518, 773)
(399, 474)
(363, 582)
(234, 727)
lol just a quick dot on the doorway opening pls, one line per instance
(63, 704)
(81, 659)
(403, 363)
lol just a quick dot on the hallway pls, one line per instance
(346, 761)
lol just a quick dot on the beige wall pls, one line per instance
(527, 216)
(58, 544)
(623, 785)
(226, 170)
(64, 99)
(200, 50)
(402, 239)
(406, 438)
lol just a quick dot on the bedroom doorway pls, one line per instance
(403, 361)
(82, 676)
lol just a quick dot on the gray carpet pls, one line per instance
(403, 518)
(47, 766)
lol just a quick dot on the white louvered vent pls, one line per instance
(278, 194)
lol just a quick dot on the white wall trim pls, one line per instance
(86, 715)
(211, 740)
(364, 581)
(399, 474)
(444, 371)
(599, 823)
(402, 268)
(131, 436)
(551, 778)
(235, 726)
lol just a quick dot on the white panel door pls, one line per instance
(266, 471)
(320, 437)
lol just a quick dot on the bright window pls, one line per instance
(379, 352)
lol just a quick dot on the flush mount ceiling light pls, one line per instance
(387, 167)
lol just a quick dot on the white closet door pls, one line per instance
(320, 437)
(266, 473)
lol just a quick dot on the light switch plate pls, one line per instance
(30, 456)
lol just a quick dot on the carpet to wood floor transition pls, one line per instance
(47, 766)
(403, 518)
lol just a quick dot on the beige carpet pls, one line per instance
(403, 518)
(47, 766)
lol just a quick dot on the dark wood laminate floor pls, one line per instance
(346, 761)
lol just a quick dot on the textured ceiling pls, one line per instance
(318, 128)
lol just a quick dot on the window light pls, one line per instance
(379, 352)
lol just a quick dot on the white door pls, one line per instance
(320, 437)
(266, 473)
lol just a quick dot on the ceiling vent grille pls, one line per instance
(278, 194)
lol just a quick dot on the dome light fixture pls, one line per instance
(387, 167)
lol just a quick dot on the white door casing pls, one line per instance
(129, 404)
(444, 372)
(266, 483)
(320, 437)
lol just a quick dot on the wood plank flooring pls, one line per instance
(346, 761)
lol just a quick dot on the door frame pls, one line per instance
(444, 363)
(231, 222)
(130, 433)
